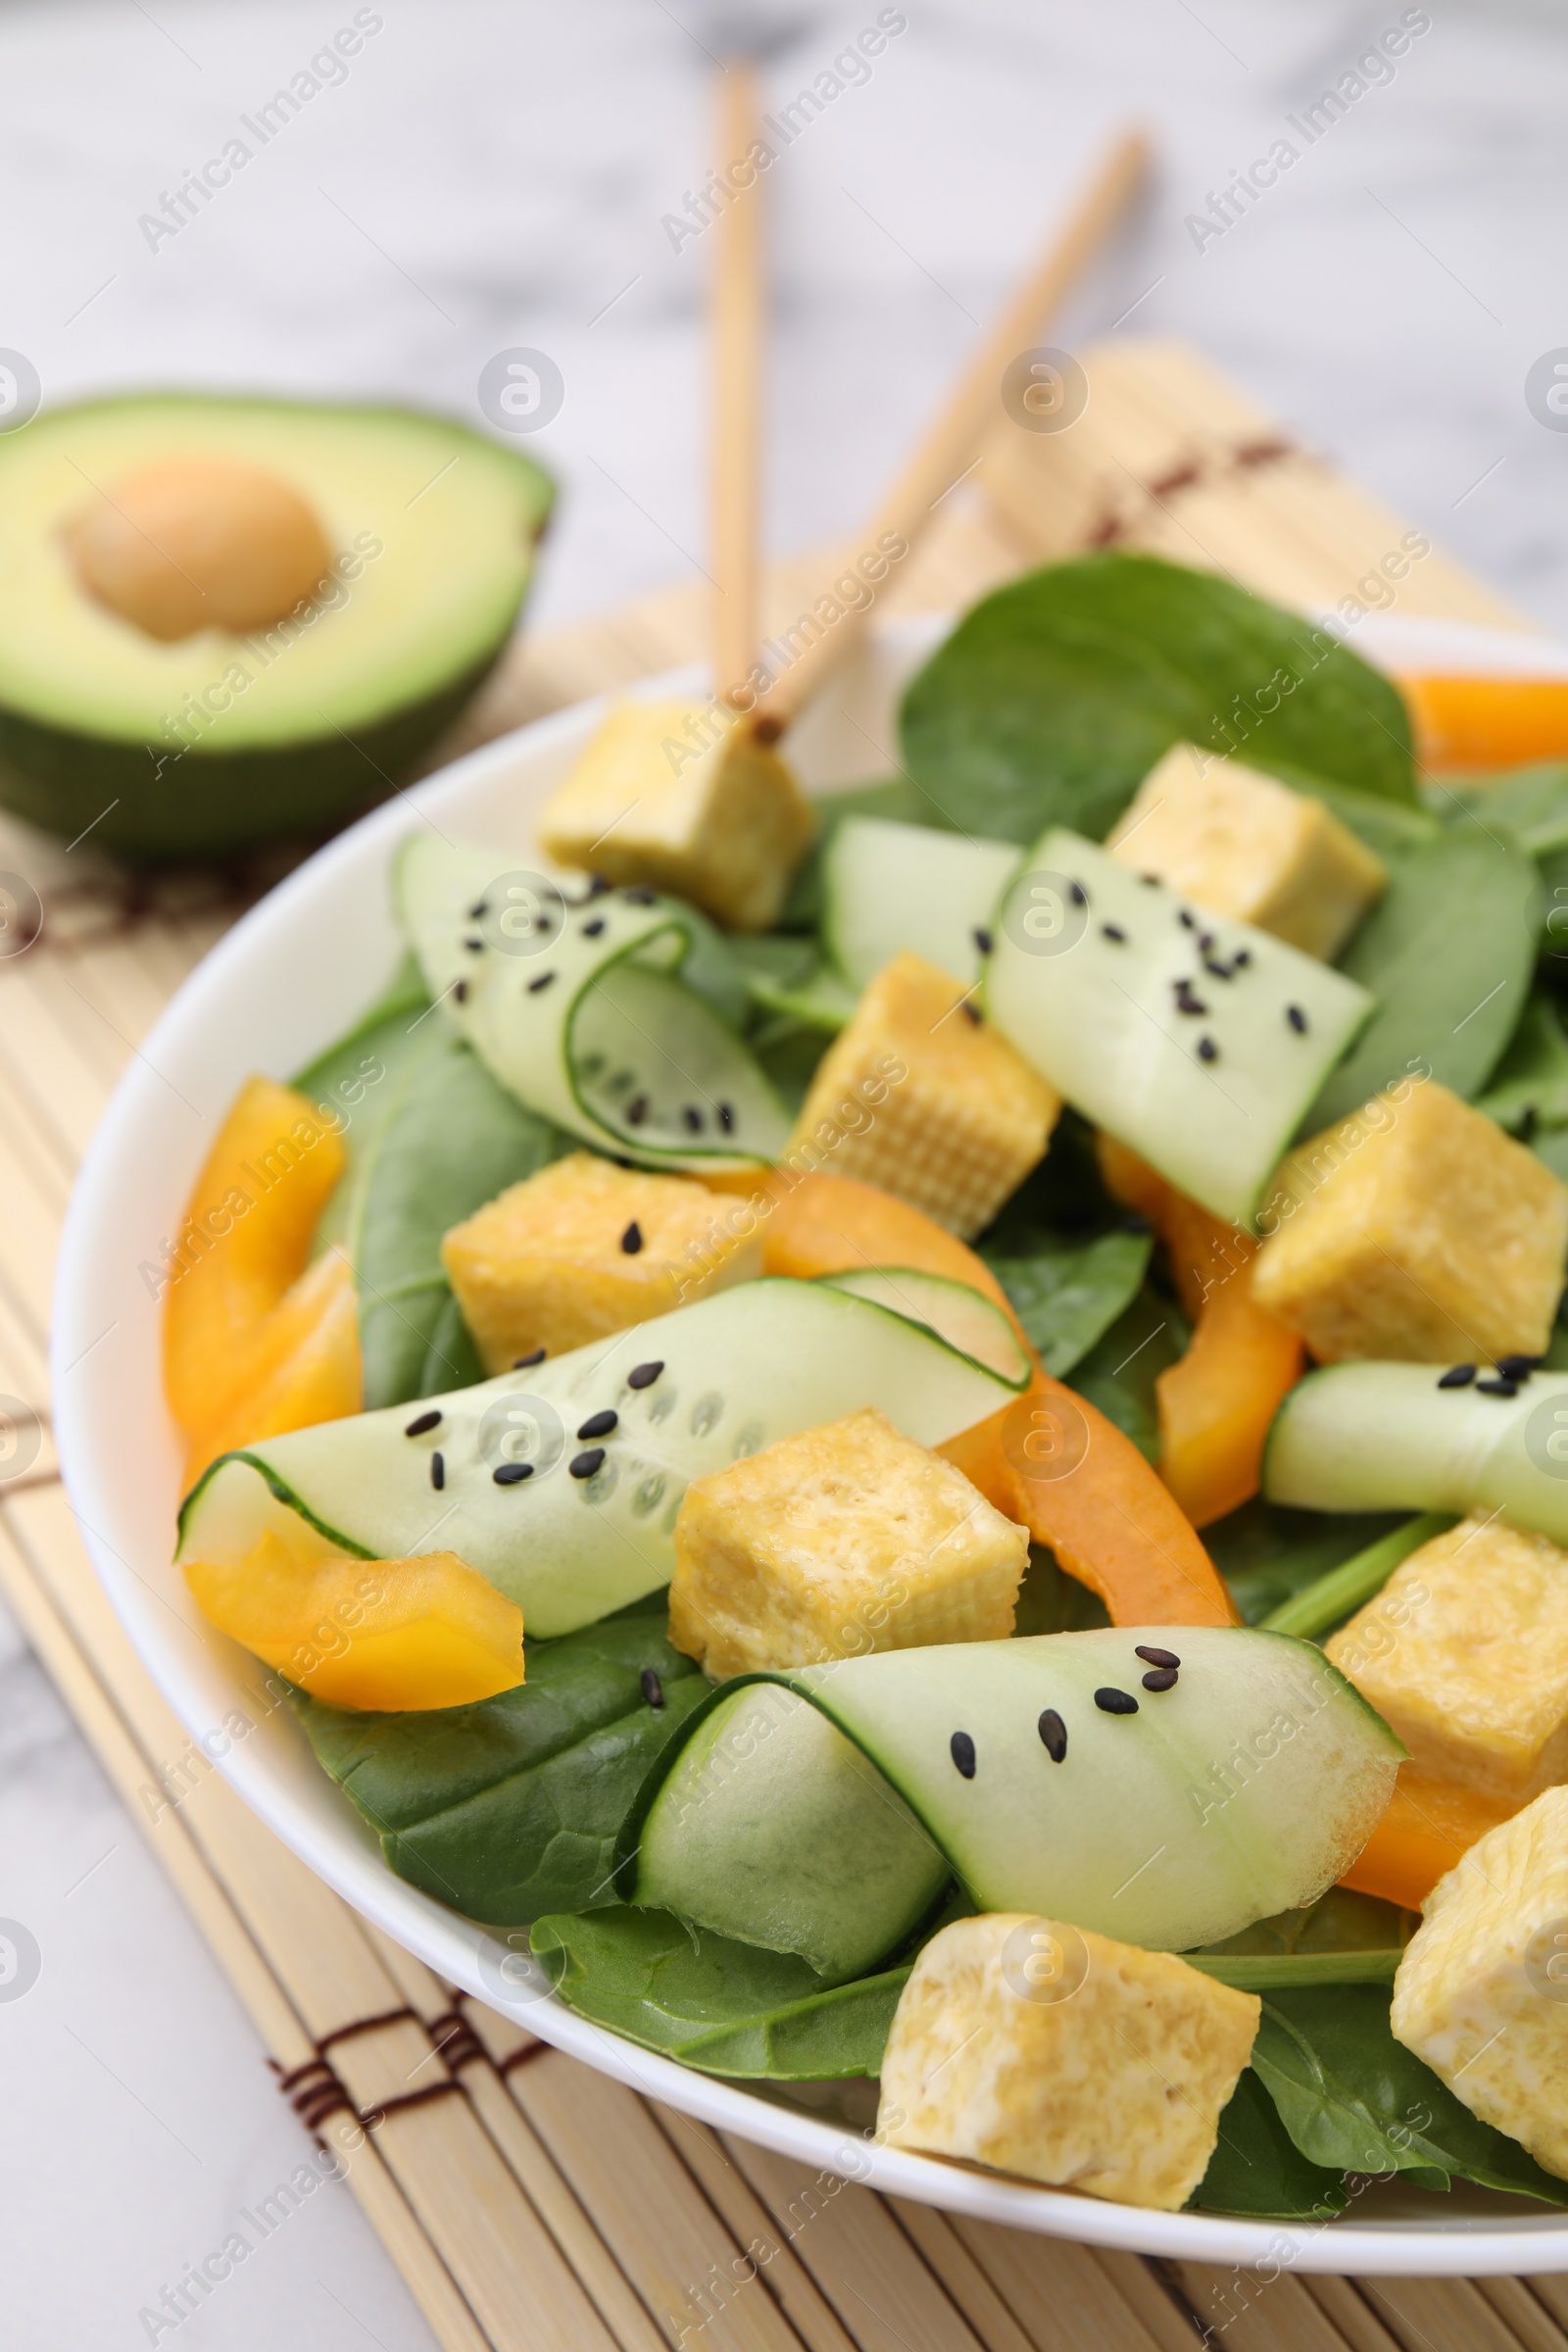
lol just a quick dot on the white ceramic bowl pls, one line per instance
(286, 981)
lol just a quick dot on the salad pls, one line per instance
(923, 1434)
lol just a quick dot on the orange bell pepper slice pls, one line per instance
(384, 1634)
(299, 1365)
(1216, 1404)
(1429, 1826)
(1048, 1460)
(244, 1241)
(1466, 724)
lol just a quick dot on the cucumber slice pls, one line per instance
(737, 1370)
(968, 1320)
(1245, 1791)
(774, 1829)
(1089, 991)
(1385, 1437)
(887, 886)
(597, 1030)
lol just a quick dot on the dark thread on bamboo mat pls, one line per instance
(360, 2025)
(524, 2056)
(1242, 457)
(456, 2039)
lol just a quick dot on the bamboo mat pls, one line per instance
(527, 2201)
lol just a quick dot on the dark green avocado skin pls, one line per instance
(210, 803)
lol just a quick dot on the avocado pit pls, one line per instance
(198, 543)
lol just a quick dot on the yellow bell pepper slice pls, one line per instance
(299, 1365)
(1467, 723)
(388, 1635)
(243, 1241)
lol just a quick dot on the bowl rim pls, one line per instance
(1452, 2244)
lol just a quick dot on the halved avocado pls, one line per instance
(216, 740)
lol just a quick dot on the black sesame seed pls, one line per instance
(1205, 943)
(1113, 931)
(1053, 1733)
(1457, 1375)
(1496, 1388)
(460, 990)
(972, 1013)
(692, 1119)
(1156, 1657)
(643, 1376)
(1296, 1018)
(438, 1471)
(1135, 1222)
(1519, 1367)
(478, 910)
(598, 884)
(475, 947)
(1115, 1702)
(583, 1465)
(652, 1688)
(1242, 956)
(961, 1748)
(1221, 971)
(512, 1474)
(598, 1425)
(420, 1423)
(632, 1241)
(983, 939)
(543, 981)
(636, 1110)
(1161, 1678)
(520, 1363)
(1186, 1002)
(727, 1117)
(1149, 881)
(1207, 1050)
(1185, 919)
(1077, 892)
(591, 930)
(639, 895)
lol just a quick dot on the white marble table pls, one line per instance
(484, 176)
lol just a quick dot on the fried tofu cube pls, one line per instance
(1414, 1229)
(1464, 1653)
(1048, 2050)
(843, 1540)
(1246, 845)
(585, 1248)
(1482, 1990)
(667, 794)
(921, 1096)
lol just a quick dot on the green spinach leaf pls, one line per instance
(1050, 1601)
(510, 1808)
(1267, 1552)
(1530, 1084)
(1354, 2098)
(433, 1139)
(1067, 1294)
(1256, 2167)
(1448, 953)
(1119, 1371)
(786, 973)
(1056, 696)
(1321, 1606)
(1531, 801)
(725, 2007)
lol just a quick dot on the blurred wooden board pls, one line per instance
(528, 2202)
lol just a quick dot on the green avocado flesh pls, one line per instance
(1242, 1792)
(590, 1527)
(220, 740)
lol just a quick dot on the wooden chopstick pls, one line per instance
(950, 445)
(737, 360)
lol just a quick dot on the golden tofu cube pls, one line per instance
(1482, 1990)
(1414, 1229)
(921, 1096)
(837, 1541)
(1464, 1653)
(1246, 845)
(584, 1247)
(1048, 2050)
(670, 794)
